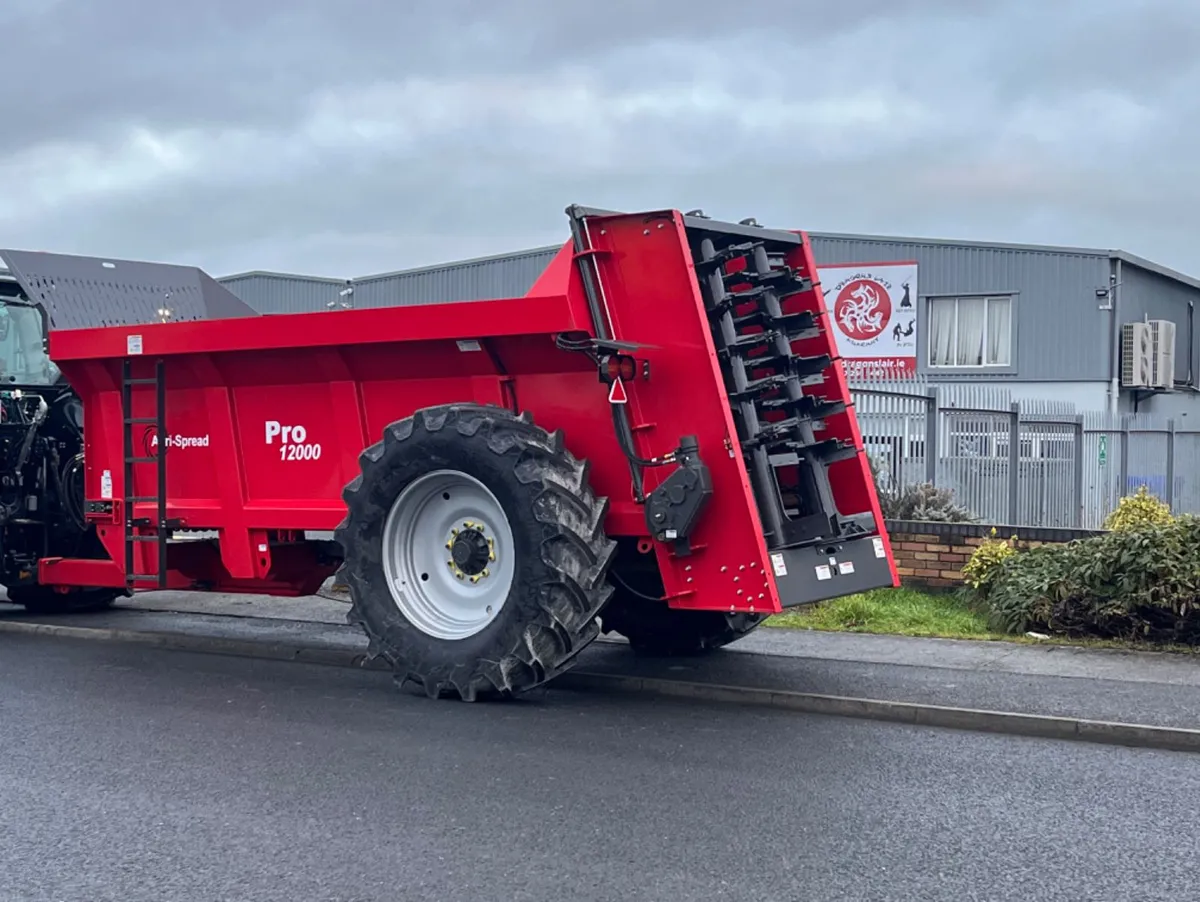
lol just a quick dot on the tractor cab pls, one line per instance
(24, 360)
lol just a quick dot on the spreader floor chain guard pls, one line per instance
(657, 440)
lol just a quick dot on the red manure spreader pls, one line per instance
(657, 440)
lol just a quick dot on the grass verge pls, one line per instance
(910, 612)
(898, 612)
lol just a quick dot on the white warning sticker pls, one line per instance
(823, 571)
(846, 567)
(106, 485)
(778, 565)
(133, 344)
(878, 543)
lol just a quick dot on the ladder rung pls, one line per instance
(161, 523)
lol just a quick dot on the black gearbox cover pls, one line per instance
(674, 508)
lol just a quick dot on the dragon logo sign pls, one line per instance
(863, 309)
(873, 317)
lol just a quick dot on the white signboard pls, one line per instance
(873, 313)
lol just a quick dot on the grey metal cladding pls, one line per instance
(1060, 332)
(503, 276)
(280, 293)
(81, 292)
(1144, 294)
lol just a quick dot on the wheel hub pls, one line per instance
(448, 554)
(471, 550)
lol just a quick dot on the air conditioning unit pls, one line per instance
(1162, 353)
(1137, 363)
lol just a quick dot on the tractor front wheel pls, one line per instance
(474, 552)
(45, 600)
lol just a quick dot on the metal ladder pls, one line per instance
(159, 459)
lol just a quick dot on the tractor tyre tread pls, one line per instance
(654, 630)
(564, 554)
(43, 600)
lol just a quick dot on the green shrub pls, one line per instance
(1133, 583)
(1138, 510)
(984, 563)
(919, 502)
(926, 502)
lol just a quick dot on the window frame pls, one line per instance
(1010, 368)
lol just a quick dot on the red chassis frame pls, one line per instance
(267, 417)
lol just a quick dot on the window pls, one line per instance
(970, 331)
(23, 357)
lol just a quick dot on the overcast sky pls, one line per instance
(359, 136)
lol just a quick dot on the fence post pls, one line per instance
(1078, 493)
(1014, 462)
(1123, 487)
(1169, 488)
(932, 416)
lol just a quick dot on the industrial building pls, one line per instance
(953, 349)
(1100, 329)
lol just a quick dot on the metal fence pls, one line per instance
(1024, 463)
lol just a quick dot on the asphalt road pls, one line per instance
(136, 774)
(1157, 690)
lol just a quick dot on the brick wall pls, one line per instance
(931, 555)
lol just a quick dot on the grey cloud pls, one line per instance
(1064, 122)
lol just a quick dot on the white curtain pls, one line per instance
(941, 331)
(999, 331)
(972, 317)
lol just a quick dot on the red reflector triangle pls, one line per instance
(616, 394)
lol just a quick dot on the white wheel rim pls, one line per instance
(448, 554)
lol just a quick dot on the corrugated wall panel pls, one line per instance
(270, 293)
(1060, 333)
(1148, 294)
(506, 276)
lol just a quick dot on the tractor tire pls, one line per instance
(44, 600)
(655, 630)
(474, 552)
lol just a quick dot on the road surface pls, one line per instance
(136, 774)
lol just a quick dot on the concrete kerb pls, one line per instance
(911, 713)
(970, 719)
(242, 648)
